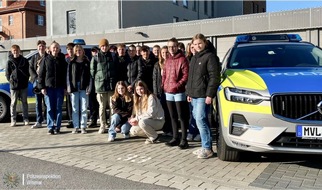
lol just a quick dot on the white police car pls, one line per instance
(270, 98)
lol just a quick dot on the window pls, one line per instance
(40, 21)
(175, 19)
(71, 22)
(10, 19)
(0, 3)
(206, 7)
(212, 9)
(42, 3)
(185, 3)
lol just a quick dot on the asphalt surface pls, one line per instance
(30, 173)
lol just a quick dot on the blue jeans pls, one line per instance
(193, 129)
(200, 113)
(79, 102)
(54, 102)
(39, 104)
(115, 121)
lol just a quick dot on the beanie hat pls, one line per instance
(103, 42)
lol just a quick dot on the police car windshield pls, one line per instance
(275, 55)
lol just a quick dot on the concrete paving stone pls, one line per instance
(289, 173)
(138, 172)
(209, 186)
(307, 182)
(282, 184)
(194, 182)
(167, 169)
(136, 177)
(164, 183)
(178, 179)
(112, 172)
(89, 167)
(149, 180)
(165, 176)
(294, 184)
(221, 187)
(101, 170)
(193, 188)
(179, 185)
(80, 165)
(124, 175)
(150, 174)
(70, 163)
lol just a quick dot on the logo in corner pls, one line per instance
(11, 179)
(319, 107)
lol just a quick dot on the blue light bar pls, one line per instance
(79, 42)
(268, 37)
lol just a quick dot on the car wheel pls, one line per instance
(4, 109)
(224, 152)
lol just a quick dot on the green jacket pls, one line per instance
(103, 71)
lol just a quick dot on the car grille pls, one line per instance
(295, 106)
(290, 140)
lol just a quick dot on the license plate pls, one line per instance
(309, 132)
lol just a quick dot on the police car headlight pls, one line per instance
(243, 96)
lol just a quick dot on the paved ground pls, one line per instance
(161, 165)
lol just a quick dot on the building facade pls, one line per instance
(72, 17)
(22, 19)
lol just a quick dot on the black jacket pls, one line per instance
(157, 80)
(146, 71)
(204, 75)
(78, 72)
(132, 71)
(17, 72)
(53, 72)
(33, 66)
(123, 108)
(122, 66)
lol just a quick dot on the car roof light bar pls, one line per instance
(268, 37)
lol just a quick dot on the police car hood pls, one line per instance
(277, 80)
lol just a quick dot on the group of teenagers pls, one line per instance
(164, 90)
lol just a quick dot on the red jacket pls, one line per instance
(175, 73)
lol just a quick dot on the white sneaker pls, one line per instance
(36, 125)
(101, 130)
(197, 138)
(189, 137)
(198, 151)
(75, 131)
(126, 136)
(13, 123)
(83, 131)
(26, 122)
(45, 121)
(110, 139)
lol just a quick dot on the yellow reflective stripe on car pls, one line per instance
(246, 79)
(3, 78)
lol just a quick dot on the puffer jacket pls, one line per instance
(204, 75)
(175, 73)
(104, 72)
(133, 71)
(53, 72)
(17, 72)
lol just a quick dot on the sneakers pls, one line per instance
(189, 137)
(197, 138)
(83, 131)
(70, 124)
(75, 131)
(36, 125)
(197, 152)
(126, 136)
(101, 130)
(44, 121)
(150, 140)
(26, 122)
(111, 139)
(50, 132)
(13, 123)
(172, 142)
(205, 153)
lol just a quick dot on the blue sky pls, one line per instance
(285, 5)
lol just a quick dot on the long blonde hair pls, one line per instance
(161, 59)
(116, 95)
(141, 102)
